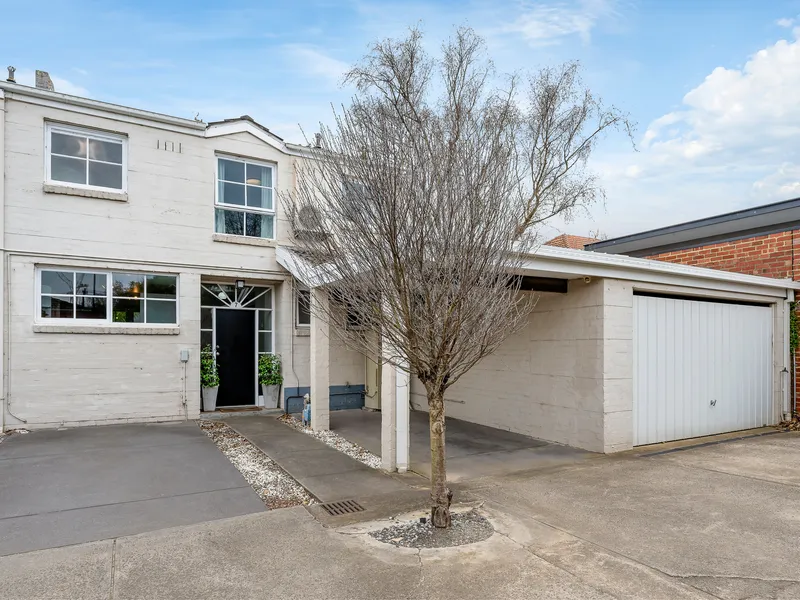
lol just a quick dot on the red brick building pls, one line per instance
(758, 241)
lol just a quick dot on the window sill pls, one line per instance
(52, 188)
(107, 329)
(241, 239)
(302, 331)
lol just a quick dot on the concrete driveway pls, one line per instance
(92, 483)
(711, 522)
(472, 450)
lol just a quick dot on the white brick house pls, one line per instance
(130, 237)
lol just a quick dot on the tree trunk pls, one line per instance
(441, 495)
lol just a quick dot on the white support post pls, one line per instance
(388, 417)
(320, 361)
(403, 419)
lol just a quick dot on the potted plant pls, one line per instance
(209, 378)
(270, 378)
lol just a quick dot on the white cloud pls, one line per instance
(315, 63)
(732, 143)
(28, 77)
(784, 22)
(544, 24)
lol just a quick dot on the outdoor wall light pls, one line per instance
(239, 284)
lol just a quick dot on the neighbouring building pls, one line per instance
(763, 241)
(132, 239)
(576, 242)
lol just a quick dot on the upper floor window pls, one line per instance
(245, 203)
(108, 296)
(85, 158)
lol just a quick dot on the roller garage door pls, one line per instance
(699, 368)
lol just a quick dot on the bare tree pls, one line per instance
(416, 203)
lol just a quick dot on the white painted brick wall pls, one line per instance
(169, 221)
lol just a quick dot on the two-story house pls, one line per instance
(131, 240)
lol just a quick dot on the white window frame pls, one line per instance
(297, 322)
(109, 320)
(101, 136)
(246, 209)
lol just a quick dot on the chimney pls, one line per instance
(11, 75)
(43, 81)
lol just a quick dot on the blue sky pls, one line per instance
(712, 84)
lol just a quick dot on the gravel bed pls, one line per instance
(273, 485)
(467, 528)
(334, 440)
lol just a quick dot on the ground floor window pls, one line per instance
(303, 308)
(107, 296)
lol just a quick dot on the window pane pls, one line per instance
(71, 145)
(261, 300)
(90, 284)
(90, 308)
(57, 282)
(303, 307)
(103, 175)
(162, 286)
(265, 320)
(162, 311)
(230, 170)
(105, 151)
(229, 221)
(211, 298)
(231, 193)
(71, 170)
(258, 175)
(127, 311)
(259, 225)
(206, 320)
(205, 338)
(57, 307)
(265, 341)
(259, 197)
(128, 285)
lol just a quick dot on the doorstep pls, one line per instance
(224, 414)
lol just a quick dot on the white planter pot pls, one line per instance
(271, 394)
(210, 398)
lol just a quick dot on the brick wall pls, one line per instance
(770, 255)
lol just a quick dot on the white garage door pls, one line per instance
(700, 368)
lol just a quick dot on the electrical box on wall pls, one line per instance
(185, 355)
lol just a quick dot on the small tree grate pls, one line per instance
(344, 507)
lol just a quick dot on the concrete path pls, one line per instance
(472, 450)
(324, 471)
(92, 483)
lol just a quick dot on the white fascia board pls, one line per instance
(554, 262)
(96, 108)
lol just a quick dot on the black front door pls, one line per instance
(236, 356)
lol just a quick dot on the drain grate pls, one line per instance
(344, 507)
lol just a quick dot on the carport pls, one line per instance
(618, 352)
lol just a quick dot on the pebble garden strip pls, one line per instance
(334, 440)
(273, 485)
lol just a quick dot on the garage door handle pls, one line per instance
(713, 403)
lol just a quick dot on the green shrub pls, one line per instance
(269, 369)
(209, 376)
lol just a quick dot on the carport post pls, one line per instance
(320, 361)
(395, 433)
